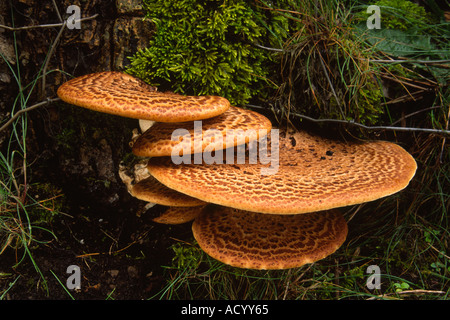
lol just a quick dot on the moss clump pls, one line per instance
(210, 47)
(400, 14)
(369, 105)
(186, 257)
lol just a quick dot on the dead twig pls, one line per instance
(51, 25)
(412, 61)
(372, 128)
(415, 113)
(408, 292)
(49, 55)
(18, 113)
(388, 128)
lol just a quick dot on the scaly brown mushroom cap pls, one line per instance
(314, 174)
(179, 215)
(264, 241)
(151, 190)
(235, 124)
(121, 94)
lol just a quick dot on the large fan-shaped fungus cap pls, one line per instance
(151, 190)
(314, 174)
(235, 126)
(121, 94)
(264, 241)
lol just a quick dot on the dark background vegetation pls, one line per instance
(63, 202)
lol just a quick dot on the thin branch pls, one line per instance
(267, 48)
(373, 60)
(411, 61)
(57, 11)
(441, 160)
(414, 113)
(356, 124)
(50, 53)
(406, 292)
(389, 128)
(396, 79)
(407, 97)
(52, 25)
(18, 113)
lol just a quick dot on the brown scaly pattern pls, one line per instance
(263, 241)
(179, 215)
(233, 125)
(314, 174)
(151, 190)
(121, 94)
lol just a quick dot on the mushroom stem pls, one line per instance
(144, 125)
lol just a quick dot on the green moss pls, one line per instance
(186, 257)
(369, 106)
(208, 47)
(48, 201)
(400, 14)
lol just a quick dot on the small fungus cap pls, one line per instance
(264, 241)
(235, 126)
(179, 215)
(313, 174)
(124, 95)
(151, 190)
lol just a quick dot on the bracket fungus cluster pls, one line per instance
(244, 213)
